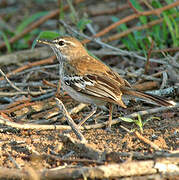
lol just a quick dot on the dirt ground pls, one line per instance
(47, 149)
(25, 146)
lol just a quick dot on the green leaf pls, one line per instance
(155, 33)
(130, 42)
(139, 123)
(29, 20)
(45, 35)
(149, 119)
(172, 10)
(156, 4)
(164, 32)
(127, 119)
(6, 41)
(170, 27)
(82, 23)
(136, 5)
(143, 19)
(175, 27)
(48, 35)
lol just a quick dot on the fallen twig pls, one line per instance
(148, 85)
(138, 135)
(147, 141)
(26, 126)
(142, 156)
(23, 55)
(173, 49)
(164, 92)
(32, 84)
(164, 167)
(33, 93)
(118, 51)
(147, 64)
(77, 108)
(11, 84)
(29, 65)
(164, 80)
(39, 68)
(70, 121)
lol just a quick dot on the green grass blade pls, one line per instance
(128, 41)
(155, 34)
(45, 35)
(6, 41)
(138, 7)
(127, 119)
(175, 28)
(29, 20)
(170, 27)
(81, 24)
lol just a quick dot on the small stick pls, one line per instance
(147, 141)
(58, 87)
(87, 117)
(132, 7)
(173, 49)
(26, 126)
(45, 155)
(77, 108)
(70, 121)
(12, 85)
(27, 66)
(33, 93)
(148, 85)
(147, 64)
(164, 80)
(164, 92)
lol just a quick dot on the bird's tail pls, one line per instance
(154, 98)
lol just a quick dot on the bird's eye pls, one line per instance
(61, 43)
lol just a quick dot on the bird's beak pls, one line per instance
(48, 42)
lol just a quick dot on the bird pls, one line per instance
(88, 80)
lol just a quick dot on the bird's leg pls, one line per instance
(110, 116)
(89, 115)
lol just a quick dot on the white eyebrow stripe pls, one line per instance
(70, 42)
(66, 41)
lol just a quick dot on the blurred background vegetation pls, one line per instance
(21, 22)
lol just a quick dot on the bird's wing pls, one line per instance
(89, 65)
(92, 77)
(99, 87)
